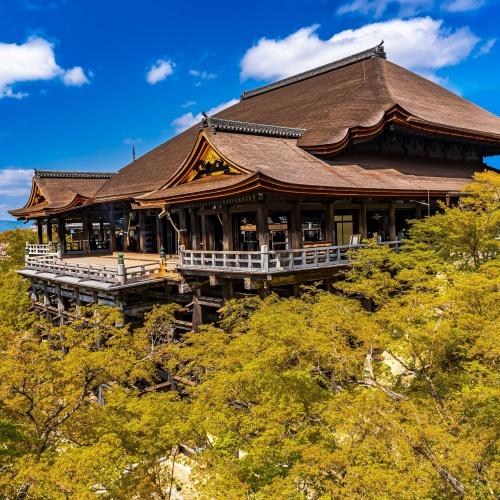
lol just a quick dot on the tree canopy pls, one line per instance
(311, 397)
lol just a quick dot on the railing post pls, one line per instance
(122, 277)
(163, 261)
(26, 253)
(264, 258)
(59, 251)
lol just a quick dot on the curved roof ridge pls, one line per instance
(377, 51)
(234, 126)
(62, 174)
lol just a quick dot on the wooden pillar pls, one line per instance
(363, 229)
(61, 232)
(204, 241)
(142, 235)
(60, 304)
(39, 227)
(418, 211)
(392, 221)
(227, 289)
(46, 300)
(195, 229)
(262, 225)
(227, 222)
(159, 233)
(101, 230)
(78, 302)
(125, 229)
(330, 222)
(197, 318)
(86, 235)
(49, 229)
(184, 236)
(112, 231)
(295, 230)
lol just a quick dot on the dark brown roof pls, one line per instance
(53, 192)
(276, 163)
(334, 105)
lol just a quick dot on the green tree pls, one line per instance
(314, 397)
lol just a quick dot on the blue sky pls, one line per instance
(81, 81)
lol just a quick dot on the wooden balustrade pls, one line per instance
(272, 261)
(105, 274)
(263, 261)
(40, 249)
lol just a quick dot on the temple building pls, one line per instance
(265, 195)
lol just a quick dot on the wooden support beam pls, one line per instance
(159, 233)
(60, 304)
(184, 236)
(295, 230)
(101, 231)
(195, 230)
(227, 222)
(126, 242)
(205, 242)
(330, 222)
(112, 231)
(392, 221)
(46, 300)
(61, 232)
(86, 237)
(262, 225)
(197, 318)
(39, 228)
(363, 226)
(227, 290)
(49, 229)
(142, 232)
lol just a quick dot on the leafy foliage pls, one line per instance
(304, 398)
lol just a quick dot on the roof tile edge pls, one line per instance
(377, 51)
(58, 174)
(233, 126)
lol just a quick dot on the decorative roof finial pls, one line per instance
(206, 121)
(379, 50)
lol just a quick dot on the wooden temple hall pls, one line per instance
(267, 194)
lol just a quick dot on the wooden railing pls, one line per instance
(40, 249)
(86, 246)
(119, 275)
(141, 272)
(273, 261)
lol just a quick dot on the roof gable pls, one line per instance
(337, 105)
(53, 191)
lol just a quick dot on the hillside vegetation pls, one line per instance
(302, 398)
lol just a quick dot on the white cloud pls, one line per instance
(405, 8)
(462, 5)
(188, 104)
(422, 44)
(377, 8)
(486, 47)
(159, 71)
(31, 61)
(187, 120)
(130, 141)
(75, 76)
(15, 181)
(204, 75)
